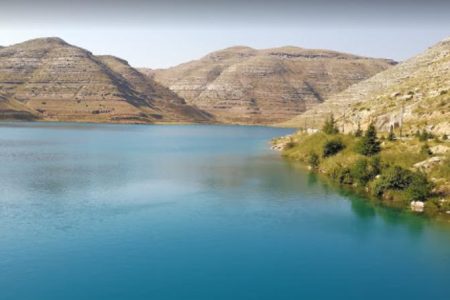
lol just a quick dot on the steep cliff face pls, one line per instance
(56, 81)
(415, 93)
(244, 85)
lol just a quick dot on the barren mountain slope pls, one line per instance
(58, 81)
(244, 85)
(416, 91)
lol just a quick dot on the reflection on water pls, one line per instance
(195, 212)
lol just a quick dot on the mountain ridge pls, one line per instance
(250, 86)
(413, 94)
(56, 81)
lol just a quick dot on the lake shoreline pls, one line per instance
(289, 148)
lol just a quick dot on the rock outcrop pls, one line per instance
(48, 79)
(414, 94)
(244, 85)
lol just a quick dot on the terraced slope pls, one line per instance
(55, 81)
(415, 93)
(244, 85)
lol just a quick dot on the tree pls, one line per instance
(419, 188)
(444, 137)
(364, 170)
(358, 132)
(369, 144)
(391, 135)
(329, 127)
(425, 149)
(425, 135)
(313, 160)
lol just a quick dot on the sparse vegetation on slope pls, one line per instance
(413, 95)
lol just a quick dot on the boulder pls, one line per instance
(428, 163)
(440, 149)
(417, 206)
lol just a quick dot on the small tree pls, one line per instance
(364, 170)
(391, 135)
(369, 144)
(444, 137)
(425, 136)
(358, 132)
(313, 160)
(329, 127)
(420, 188)
(417, 134)
(425, 149)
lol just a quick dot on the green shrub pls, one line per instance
(393, 178)
(289, 145)
(417, 134)
(358, 132)
(391, 135)
(431, 208)
(313, 160)
(425, 136)
(444, 137)
(425, 149)
(365, 170)
(342, 175)
(396, 178)
(369, 144)
(329, 127)
(332, 147)
(419, 188)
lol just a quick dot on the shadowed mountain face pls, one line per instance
(51, 80)
(415, 93)
(244, 85)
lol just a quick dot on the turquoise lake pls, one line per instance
(195, 212)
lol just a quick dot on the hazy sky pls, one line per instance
(164, 33)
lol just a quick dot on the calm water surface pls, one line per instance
(195, 212)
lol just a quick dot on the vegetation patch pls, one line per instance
(382, 169)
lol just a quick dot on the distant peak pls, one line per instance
(445, 41)
(45, 41)
(238, 48)
(112, 58)
(231, 52)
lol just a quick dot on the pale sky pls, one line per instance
(160, 33)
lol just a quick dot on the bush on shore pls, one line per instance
(365, 170)
(332, 147)
(314, 160)
(415, 184)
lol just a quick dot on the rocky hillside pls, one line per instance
(48, 79)
(244, 85)
(415, 93)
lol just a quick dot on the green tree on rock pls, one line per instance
(358, 132)
(329, 127)
(391, 136)
(369, 144)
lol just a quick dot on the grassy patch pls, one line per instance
(389, 176)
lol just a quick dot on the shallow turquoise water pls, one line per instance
(195, 212)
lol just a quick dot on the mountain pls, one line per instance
(245, 85)
(49, 79)
(415, 93)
